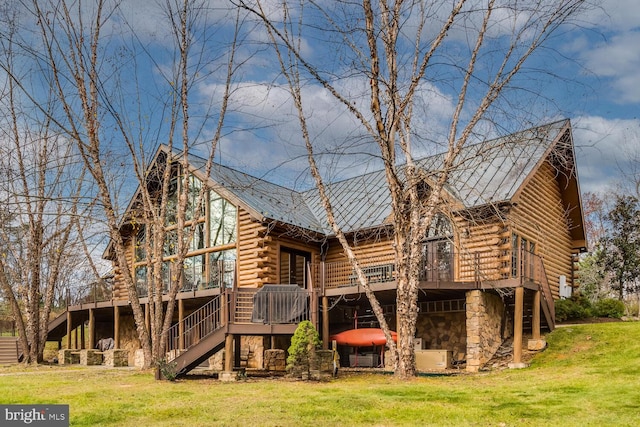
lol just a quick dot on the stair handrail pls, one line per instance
(205, 320)
(547, 295)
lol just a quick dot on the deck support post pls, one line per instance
(228, 353)
(116, 327)
(147, 317)
(82, 337)
(325, 323)
(517, 329)
(536, 316)
(69, 319)
(181, 324)
(92, 328)
(314, 308)
(536, 343)
(228, 374)
(237, 351)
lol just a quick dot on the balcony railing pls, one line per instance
(439, 267)
(271, 304)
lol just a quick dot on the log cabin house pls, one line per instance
(264, 259)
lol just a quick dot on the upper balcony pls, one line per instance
(442, 270)
(438, 270)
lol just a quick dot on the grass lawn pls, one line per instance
(590, 376)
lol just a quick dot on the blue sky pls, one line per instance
(598, 61)
(599, 90)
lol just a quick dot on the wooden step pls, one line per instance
(8, 350)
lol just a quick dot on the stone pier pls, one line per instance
(485, 314)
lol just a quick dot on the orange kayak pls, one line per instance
(363, 337)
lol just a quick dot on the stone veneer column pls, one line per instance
(485, 312)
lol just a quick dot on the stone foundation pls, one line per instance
(216, 362)
(252, 350)
(228, 376)
(485, 319)
(322, 366)
(536, 345)
(90, 357)
(139, 358)
(275, 360)
(68, 357)
(443, 331)
(116, 358)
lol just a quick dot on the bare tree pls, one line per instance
(595, 213)
(91, 63)
(399, 48)
(630, 167)
(43, 183)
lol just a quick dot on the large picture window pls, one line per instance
(172, 202)
(194, 272)
(141, 253)
(222, 221)
(217, 230)
(195, 185)
(221, 268)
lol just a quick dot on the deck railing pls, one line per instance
(447, 266)
(271, 304)
(543, 283)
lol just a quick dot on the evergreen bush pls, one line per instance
(304, 343)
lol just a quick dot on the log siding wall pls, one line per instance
(254, 251)
(540, 217)
(259, 251)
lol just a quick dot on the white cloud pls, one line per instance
(268, 139)
(618, 58)
(607, 47)
(617, 15)
(604, 148)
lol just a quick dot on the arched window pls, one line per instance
(437, 251)
(440, 228)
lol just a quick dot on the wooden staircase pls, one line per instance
(204, 332)
(546, 322)
(201, 335)
(9, 350)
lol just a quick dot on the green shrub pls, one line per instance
(609, 307)
(304, 343)
(573, 309)
(168, 370)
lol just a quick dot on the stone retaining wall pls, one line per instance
(275, 360)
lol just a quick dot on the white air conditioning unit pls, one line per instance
(433, 360)
(565, 290)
